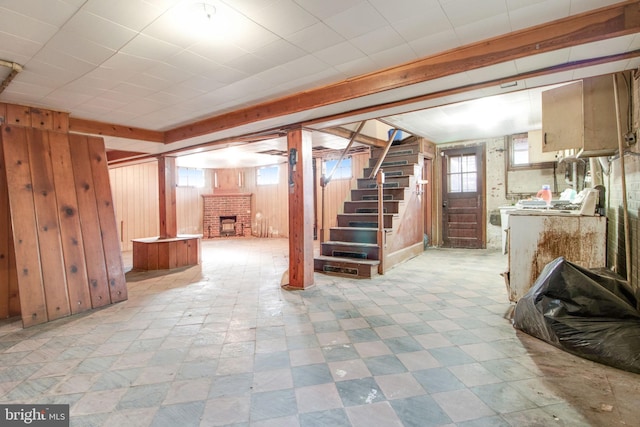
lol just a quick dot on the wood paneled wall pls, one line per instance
(63, 225)
(9, 297)
(136, 199)
(135, 196)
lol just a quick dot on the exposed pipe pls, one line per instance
(15, 69)
(627, 243)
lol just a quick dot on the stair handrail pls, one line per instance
(375, 170)
(325, 180)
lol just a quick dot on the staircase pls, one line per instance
(352, 249)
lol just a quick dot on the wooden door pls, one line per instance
(462, 201)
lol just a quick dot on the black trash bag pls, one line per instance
(592, 315)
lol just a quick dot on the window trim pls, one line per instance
(523, 166)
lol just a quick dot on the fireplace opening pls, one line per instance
(228, 225)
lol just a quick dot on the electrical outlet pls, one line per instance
(630, 138)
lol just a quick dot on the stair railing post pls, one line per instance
(381, 234)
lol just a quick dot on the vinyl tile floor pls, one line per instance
(430, 343)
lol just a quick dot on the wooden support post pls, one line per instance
(167, 194)
(300, 210)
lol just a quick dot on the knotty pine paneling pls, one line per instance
(24, 222)
(8, 273)
(135, 198)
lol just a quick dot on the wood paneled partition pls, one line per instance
(66, 248)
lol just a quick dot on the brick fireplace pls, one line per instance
(226, 215)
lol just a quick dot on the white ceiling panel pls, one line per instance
(99, 30)
(150, 64)
(460, 13)
(356, 21)
(525, 14)
(133, 14)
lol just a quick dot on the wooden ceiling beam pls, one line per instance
(612, 21)
(94, 127)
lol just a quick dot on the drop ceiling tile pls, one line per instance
(543, 60)
(280, 52)
(194, 63)
(149, 82)
(391, 57)
(435, 43)
(378, 40)
(357, 67)
(169, 28)
(422, 25)
(53, 12)
(25, 27)
(168, 72)
(248, 64)
(282, 17)
(602, 69)
(66, 100)
(133, 14)
(74, 66)
(316, 37)
(217, 51)
(579, 6)
(201, 84)
(464, 12)
(492, 72)
(397, 11)
(151, 48)
(483, 28)
(528, 14)
(226, 75)
(17, 49)
(356, 21)
(326, 8)
(549, 79)
(127, 63)
(601, 48)
(339, 54)
(81, 48)
(274, 76)
(99, 30)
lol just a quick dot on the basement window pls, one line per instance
(190, 177)
(344, 170)
(519, 150)
(268, 175)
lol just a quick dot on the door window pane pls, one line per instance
(462, 174)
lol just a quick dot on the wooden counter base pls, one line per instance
(164, 254)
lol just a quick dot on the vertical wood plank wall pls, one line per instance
(9, 298)
(56, 188)
(136, 199)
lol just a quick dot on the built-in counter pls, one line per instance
(154, 253)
